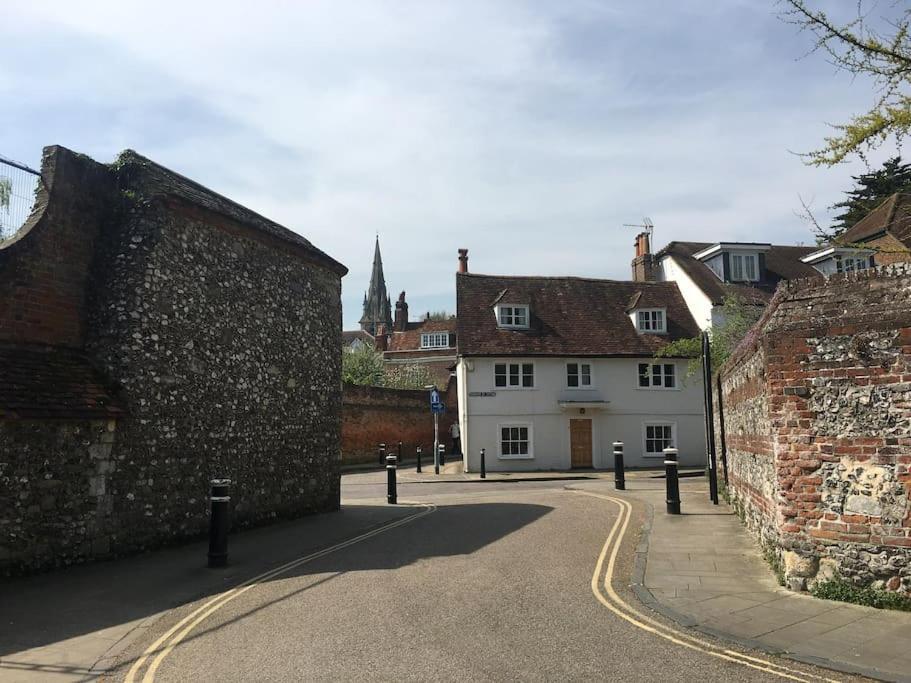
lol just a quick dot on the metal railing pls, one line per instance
(18, 188)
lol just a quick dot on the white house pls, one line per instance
(707, 272)
(552, 371)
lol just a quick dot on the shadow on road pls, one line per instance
(51, 608)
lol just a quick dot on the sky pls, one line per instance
(527, 132)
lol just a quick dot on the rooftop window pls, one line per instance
(513, 316)
(650, 320)
(435, 340)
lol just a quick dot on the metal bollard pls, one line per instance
(442, 454)
(673, 483)
(418, 454)
(391, 493)
(400, 452)
(483, 463)
(619, 473)
(219, 522)
(381, 450)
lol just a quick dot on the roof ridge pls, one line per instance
(566, 277)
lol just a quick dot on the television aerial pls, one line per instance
(646, 225)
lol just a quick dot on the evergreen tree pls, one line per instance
(870, 190)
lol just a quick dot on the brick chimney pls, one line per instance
(381, 341)
(401, 314)
(644, 262)
(463, 260)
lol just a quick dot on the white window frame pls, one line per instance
(512, 308)
(657, 423)
(428, 340)
(531, 441)
(743, 269)
(651, 374)
(649, 317)
(519, 386)
(591, 374)
(842, 261)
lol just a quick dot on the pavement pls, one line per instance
(470, 580)
(703, 570)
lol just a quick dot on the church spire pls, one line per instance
(377, 308)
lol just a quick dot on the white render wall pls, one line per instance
(699, 304)
(616, 379)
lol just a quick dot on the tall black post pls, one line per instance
(391, 493)
(400, 452)
(417, 452)
(673, 484)
(219, 522)
(619, 473)
(709, 417)
(381, 452)
(483, 463)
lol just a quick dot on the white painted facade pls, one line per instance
(617, 407)
(701, 308)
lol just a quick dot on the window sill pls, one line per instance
(658, 388)
(515, 457)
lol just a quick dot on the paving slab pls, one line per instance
(704, 569)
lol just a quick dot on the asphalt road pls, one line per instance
(488, 581)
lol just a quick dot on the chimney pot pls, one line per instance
(463, 260)
(380, 341)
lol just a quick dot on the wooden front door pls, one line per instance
(580, 442)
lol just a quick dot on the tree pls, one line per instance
(876, 47)
(737, 319)
(362, 365)
(6, 192)
(439, 315)
(870, 190)
(365, 365)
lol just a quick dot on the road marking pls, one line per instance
(621, 608)
(197, 616)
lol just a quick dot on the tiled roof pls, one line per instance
(892, 216)
(48, 382)
(570, 316)
(781, 262)
(410, 338)
(348, 336)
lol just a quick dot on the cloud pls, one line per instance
(528, 132)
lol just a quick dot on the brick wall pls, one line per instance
(817, 408)
(44, 270)
(373, 415)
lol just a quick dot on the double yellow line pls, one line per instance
(162, 647)
(605, 593)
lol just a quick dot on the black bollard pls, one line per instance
(673, 483)
(619, 473)
(442, 454)
(219, 521)
(391, 493)
(418, 454)
(483, 464)
(381, 452)
(400, 452)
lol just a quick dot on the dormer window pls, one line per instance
(512, 316)
(735, 261)
(831, 260)
(650, 320)
(745, 267)
(435, 340)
